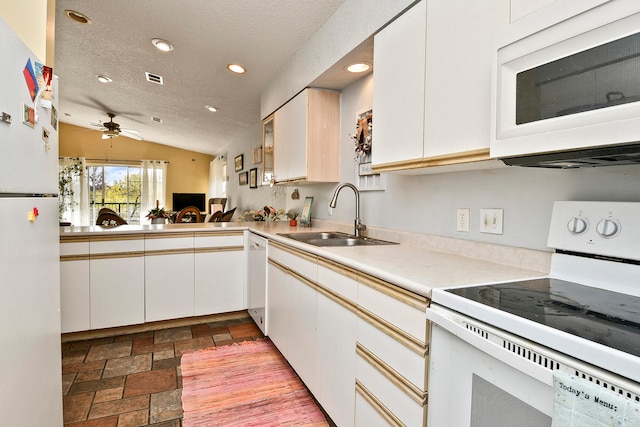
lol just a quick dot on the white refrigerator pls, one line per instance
(30, 366)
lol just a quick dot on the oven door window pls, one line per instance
(492, 406)
(601, 77)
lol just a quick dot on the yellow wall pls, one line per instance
(184, 175)
(28, 18)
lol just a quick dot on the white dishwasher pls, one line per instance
(257, 279)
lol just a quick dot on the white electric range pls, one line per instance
(522, 342)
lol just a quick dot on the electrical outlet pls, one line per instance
(462, 220)
(491, 221)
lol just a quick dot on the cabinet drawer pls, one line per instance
(398, 307)
(168, 241)
(388, 393)
(119, 244)
(219, 239)
(339, 279)
(75, 246)
(410, 363)
(301, 262)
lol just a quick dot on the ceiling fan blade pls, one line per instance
(129, 130)
(131, 135)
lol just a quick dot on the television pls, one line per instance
(182, 200)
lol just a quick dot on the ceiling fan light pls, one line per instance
(358, 67)
(110, 133)
(236, 68)
(162, 45)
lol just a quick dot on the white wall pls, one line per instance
(428, 203)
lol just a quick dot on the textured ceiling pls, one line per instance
(207, 35)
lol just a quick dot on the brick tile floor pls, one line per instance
(132, 379)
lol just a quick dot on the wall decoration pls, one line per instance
(253, 178)
(257, 154)
(363, 136)
(239, 162)
(243, 178)
(305, 217)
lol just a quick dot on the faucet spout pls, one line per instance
(357, 225)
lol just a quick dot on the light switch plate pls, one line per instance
(491, 221)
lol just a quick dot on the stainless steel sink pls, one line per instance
(334, 238)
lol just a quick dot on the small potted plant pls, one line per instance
(293, 218)
(158, 215)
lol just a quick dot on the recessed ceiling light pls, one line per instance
(77, 16)
(162, 45)
(211, 108)
(358, 67)
(103, 79)
(236, 68)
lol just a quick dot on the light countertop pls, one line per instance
(419, 263)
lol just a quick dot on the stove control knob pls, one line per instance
(577, 225)
(608, 228)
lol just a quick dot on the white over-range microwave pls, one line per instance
(566, 86)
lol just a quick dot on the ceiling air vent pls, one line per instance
(156, 119)
(154, 78)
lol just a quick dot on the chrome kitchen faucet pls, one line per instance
(358, 225)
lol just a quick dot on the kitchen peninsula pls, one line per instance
(375, 296)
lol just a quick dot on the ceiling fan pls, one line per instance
(112, 129)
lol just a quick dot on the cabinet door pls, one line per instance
(399, 88)
(74, 294)
(458, 74)
(278, 306)
(169, 276)
(290, 132)
(117, 291)
(219, 278)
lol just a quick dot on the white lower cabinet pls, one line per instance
(74, 284)
(169, 276)
(117, 281)
(219, 272)
(359, 343)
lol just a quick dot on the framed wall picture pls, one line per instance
(253, 178)
(305, 217)
(239, 161)
(243, 178)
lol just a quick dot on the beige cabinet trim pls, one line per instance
(74, 239)
(133, 254)
(169, 252)
(219, 249)
(412, 343)
(80, 257)
(225, 233)
(168, 235)
(378, 406)
(456, 158)
(414, 300)
(297, 252)
(295, 274)
(116, 237)
(349, 272)
(427, 162)
(418, 395)
(337, 298)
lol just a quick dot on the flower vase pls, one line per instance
(157, 221)
(293, 223)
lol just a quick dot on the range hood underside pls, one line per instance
(584, 158)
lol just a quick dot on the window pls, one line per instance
(118, 187)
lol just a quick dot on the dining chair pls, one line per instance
(217, 204)
(110, 219)
(192, 211)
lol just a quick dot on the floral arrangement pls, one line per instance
(267, 213)
(157, 212)
(362, 137)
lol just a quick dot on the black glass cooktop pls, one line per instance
(609, 318)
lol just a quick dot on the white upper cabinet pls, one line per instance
(432, 84)
(307, 138)
(398, 89)
(458, 78)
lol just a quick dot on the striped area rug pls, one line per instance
(245, 384)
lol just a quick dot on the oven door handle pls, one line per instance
(487, 339)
